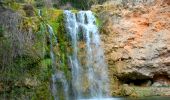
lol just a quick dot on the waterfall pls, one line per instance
(59, 84)
(39, 12)
(89, 70)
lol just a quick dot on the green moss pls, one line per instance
(74, 11)
(98, 21)
(45, 62)
(17, 93)
(39, 3)
(64, 45)
(13, 5)
(52, 20)
(30, 23)
(143, 91)
(42, 92)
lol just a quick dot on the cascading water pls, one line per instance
(59, 85)
(39, 12)
(89, 71)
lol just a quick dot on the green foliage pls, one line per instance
(5, 50)
(81, 4)
(98, 21)
(42, 92)
(46, 70)
(30, 23)
(12, 4)
(64, 45)
(53, 15)
(20, 68)
(15, 74)
(55, 5)
(17, 93)
(1, 31)
(143, 92)
(34, 60)
(45, 63)
(39, 3)
(74, 11)
(30, 61)
(29, 10)
(69, 4)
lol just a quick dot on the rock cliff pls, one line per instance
(136, 39)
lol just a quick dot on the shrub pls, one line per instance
(1, 31)
(29, 10)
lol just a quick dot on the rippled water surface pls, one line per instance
(143, 98)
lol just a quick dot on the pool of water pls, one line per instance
(120, 98)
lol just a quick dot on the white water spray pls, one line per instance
(89, 80)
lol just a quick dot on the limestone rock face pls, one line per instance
(137, 41)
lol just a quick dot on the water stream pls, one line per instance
(89, 73)
(89, 77)
(59, 87)
(88, 68)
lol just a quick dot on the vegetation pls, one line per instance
(81, 4)
(25, 63)
(1, 31)
(27, 73)
(66, 4)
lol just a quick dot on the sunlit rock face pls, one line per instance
(137, 41)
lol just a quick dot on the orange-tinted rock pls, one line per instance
(138, 41)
